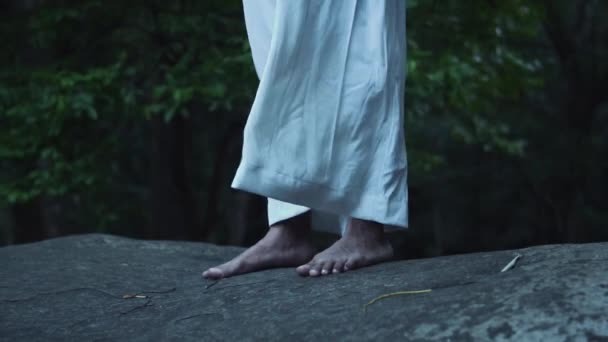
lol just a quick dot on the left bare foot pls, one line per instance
(363, 244)
(286, 244)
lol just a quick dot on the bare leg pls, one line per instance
(363, 244)
(286, 244)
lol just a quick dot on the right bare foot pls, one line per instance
(363, 244)
(286, 244)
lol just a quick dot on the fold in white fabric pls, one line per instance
(326, 129)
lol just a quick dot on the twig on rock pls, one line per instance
(393, 294)
(197, 315)
(188, 317)
(511, 264)
(146, 304)
(244, 284)
(162, 291)
(141, 294)
(214, 283)
(129, 296)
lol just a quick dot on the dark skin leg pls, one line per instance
(286, 244)
(363, 244)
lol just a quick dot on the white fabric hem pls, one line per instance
(354, 204)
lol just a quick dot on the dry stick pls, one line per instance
(243, 284)
(393, 294)
(208, 286)
(197, 315)
(141, 295)
(163, 291)
(511, 263)
(188, 317)
(148, 303)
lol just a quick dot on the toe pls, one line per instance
(213, 273)
(315, 269)
(350, 264)
(303, 270)
(339, 266)
(327, 268)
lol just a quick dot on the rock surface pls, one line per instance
(83, 288)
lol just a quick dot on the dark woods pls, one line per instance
(126, 118)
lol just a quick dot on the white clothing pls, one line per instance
(326, 129)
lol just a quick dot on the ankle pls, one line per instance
(288, 232)
(365, 229)
(296, 227)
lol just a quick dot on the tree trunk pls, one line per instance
(29, 221)
(172, 201)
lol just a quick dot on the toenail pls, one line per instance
(335, 270)
(324, 271)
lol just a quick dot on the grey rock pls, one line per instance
(72, 288)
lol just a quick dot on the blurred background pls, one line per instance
(126, 117)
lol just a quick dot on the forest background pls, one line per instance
(126, 117)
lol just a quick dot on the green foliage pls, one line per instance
(75, 76)
(465, 60)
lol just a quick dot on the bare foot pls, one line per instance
(286, 244)
(363, 244)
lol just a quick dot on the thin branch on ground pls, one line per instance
(146, 304)
(393, 294)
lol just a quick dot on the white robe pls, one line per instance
(326, 129)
